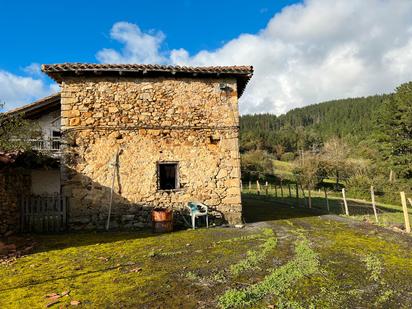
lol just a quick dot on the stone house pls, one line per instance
(23, 174)
(160, 136)
(44, 114)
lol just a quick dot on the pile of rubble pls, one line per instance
(9, 157)
(13, 247)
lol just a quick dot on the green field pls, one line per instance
(388, 215)
(283, 169)
(286, 257)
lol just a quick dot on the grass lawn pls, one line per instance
(388, 215)
(282, 168)
(285, 256)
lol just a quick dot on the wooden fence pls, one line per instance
(43, 214)
(293, 193)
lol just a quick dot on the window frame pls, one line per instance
(177, 182)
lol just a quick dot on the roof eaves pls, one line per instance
(37, 104)
(58, 71)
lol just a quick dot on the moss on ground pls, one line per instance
(304, 263)
(299, 259)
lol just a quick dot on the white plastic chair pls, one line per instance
(197, 210)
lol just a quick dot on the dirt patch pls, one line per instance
(14, 246)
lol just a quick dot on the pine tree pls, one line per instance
(395, 131)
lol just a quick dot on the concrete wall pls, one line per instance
(191, 121)
(48, 122)
(45, 182)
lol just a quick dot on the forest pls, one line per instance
(308, 127)
(358, 141)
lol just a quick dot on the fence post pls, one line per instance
(281, 188)
(297, 193)
(310, 199)
(258, 187)
(250, 186)
(345, 202)
(304, 196)
(374, 204)
(405, 213)
(266, 188)
(326, 198)
(241, 186)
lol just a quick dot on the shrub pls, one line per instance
(256, 164)
(287, 156)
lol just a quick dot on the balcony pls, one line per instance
(51, 145)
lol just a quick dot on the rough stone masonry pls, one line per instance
(189, 120)
(13, 184)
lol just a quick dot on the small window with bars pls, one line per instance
(168, 175)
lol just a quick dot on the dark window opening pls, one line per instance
(214, 139)
(56, 134)
(168, 176)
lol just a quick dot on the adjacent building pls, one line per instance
(159, 136)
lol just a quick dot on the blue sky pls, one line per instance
(303, 52)
(69, 31)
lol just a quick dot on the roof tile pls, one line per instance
(59, 71)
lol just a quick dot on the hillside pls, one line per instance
(309, 126)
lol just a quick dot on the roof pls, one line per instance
(33, 109)
(59, 72)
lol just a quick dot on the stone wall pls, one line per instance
(191, 121)
(13, 184)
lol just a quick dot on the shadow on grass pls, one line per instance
(266, 208)
(257, 208)
(28, 244)
(86, 238)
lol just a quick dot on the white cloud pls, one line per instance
(33, 69)
(309, 52)
(17, 90)
(139, 47)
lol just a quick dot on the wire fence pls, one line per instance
(340, 202)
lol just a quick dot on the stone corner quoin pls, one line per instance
(192, 122)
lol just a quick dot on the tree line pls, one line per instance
(364, 140)
(308, 127)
